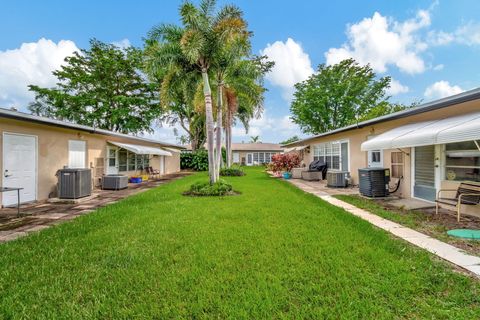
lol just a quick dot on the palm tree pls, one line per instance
(179, 86)
(204, 34)
(244, 94)
(207, 33)
(225, 69)
(254, 139)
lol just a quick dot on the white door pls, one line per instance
(375, 159)
(112, 160)
(236, 157)
(19, 167)
(249, 159)
(77, 154)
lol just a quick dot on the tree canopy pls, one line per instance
(340, 95)
(101, 87)
(290, 140)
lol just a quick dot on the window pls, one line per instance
(330, 153)
(462, 161)
(122, 160)
(112, 157)
(131, 161)
(397, 164)
(261, 157)
(255, 157)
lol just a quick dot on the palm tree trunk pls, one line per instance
(207, 92)
(228, 137)
(219, 131)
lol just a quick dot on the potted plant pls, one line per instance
(284, 163)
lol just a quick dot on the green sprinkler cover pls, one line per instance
(465, 233)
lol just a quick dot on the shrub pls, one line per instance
(285, 162)
(196, 160)
(232, 172)
(219, 188)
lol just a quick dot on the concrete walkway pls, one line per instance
(437, 247)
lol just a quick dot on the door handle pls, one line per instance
(6, 175)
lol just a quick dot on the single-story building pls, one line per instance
(34, 148)
(430, 147)
(254, 153)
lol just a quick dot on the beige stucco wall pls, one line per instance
(358, 158)
(53, 151)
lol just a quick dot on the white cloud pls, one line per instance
(396, 88)
(440, 38)
(270, 129)
(122, 44)
(32, 63)
(466, 34)
(382, 41)
(441, 89)
(292, 65)
(438, 67)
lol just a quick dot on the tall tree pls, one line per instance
(179, 85)
(339, 95)
(101, 87)
(205, 33)
(290, 140)
(244, 94)
(254, 139)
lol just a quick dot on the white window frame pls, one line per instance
(320, 150)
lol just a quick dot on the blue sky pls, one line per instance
(430, 48)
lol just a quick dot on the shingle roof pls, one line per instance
(17, 115)
(259, 146)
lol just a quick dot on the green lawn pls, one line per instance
(271, 252)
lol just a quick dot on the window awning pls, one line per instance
(453, 129)
(138, 149)
(172, 149)
(300, 148)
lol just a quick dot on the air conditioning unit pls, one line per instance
(373, 182)
(74, 183)
(114, 182)
(337, 179)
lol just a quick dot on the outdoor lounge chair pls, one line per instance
(466, 194)
(152, 172)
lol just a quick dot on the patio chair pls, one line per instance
(466, 194)
(152, 172)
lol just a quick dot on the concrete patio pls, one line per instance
(320, 187)
(39, 216)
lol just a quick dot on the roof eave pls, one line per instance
(5, 113)
(429, 106)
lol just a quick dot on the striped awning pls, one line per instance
(139, 149)
(448, 130)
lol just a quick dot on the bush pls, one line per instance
(197, 160)
(219, 188)
(285, 162)
(232, 172)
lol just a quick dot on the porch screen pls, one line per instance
(462, 161)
